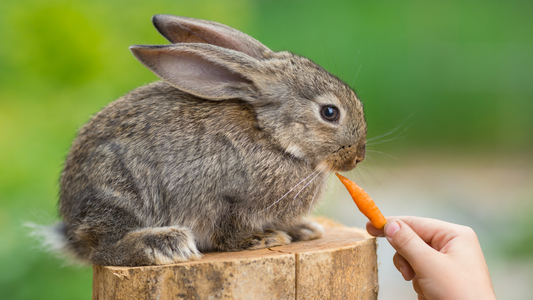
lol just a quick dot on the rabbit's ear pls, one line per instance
(203, 70)
(188, 30)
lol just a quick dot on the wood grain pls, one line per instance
(340, 265)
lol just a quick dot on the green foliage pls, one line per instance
(519, 243)
(462, 69)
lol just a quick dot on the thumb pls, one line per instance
(407, 243)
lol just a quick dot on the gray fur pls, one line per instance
(196, 162)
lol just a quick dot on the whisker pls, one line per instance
(378, 164)
(354, 65)
(361, 170)
(316, 192)
(356, 75)
(291, 203)
(291, 190)
(392, 131)
(391, 139)
(326, 54)
(371, 176)
(382, 153)
(308, 183)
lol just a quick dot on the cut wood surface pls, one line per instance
(340, 265)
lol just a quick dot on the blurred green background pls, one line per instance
(455, 77)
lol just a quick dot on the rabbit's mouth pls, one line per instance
(345, 158)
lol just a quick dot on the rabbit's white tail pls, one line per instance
(53, 240)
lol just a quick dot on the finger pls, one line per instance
(403, 266)
(436, 233)
(418, 289)
(373, 230)
(408, 244)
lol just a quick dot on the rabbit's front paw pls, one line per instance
(266, 239)
(306, 230)
(167, 245)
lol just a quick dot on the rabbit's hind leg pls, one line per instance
(303, 230)
(237, 240)
(266, 239)
(149, 246)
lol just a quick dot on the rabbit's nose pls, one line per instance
(361, 152)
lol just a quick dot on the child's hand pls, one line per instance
(444, 260)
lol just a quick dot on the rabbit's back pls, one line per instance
(161, 157)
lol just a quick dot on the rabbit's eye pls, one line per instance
(330, 113)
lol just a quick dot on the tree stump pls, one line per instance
(340, 265)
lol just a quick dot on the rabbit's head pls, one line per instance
(308, 112)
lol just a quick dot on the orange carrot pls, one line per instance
(365, 204)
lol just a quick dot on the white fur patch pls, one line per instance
(203, 240)
(162, 259)
(188, 251)
(192, 252)
(317, 230)
(295, 150)
(283, 238)
(53, 241)
(323, 166)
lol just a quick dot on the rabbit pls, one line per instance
(228, 152)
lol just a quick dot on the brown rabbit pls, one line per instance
(226, 153)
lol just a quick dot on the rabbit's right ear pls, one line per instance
(203, 70)
(188, 30)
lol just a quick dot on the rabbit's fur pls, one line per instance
(213, 157)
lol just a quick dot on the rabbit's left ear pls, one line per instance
(203, 70)
(188, 30)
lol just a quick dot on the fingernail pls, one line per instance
(391, 229)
